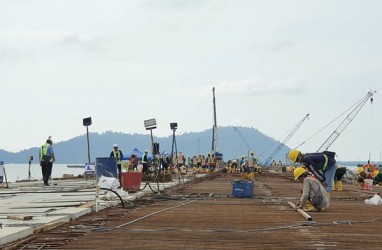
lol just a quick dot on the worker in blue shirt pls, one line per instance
(321, 165)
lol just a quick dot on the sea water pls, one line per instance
(18, 172)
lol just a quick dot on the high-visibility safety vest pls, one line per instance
(118, 156)
(326, 162)
(144, 158)
(44, 150)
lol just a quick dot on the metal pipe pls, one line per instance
(300, 211)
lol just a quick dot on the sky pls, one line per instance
(122, 62)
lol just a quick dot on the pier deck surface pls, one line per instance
(202, 214)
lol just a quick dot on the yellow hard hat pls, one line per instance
(360, 170)
(252, 153)
(375, 173)
(298, 172)
(293, 154)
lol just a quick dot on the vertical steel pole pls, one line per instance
(152, 143)
(87, 134)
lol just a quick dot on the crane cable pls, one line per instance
(355, 104)
(371, 127)
(275, 141)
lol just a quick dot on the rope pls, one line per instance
(227, 230)
(371, 127)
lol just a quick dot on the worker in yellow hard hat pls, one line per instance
(314, 196)
(377, 178)
(362, 176)
(322, 165)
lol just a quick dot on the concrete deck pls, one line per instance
(63, 201)
(203, 214)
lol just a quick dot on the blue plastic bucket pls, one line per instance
(106, 166)
(242, 189)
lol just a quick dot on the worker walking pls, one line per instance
(47, 158)
(314, 196)
(317, 163)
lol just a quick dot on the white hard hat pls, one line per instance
(115, 146)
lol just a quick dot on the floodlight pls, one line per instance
(150, 124)
(173, 125)
(87, 121)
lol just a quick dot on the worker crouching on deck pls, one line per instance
(314, 197)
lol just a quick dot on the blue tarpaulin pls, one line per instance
(134, 151)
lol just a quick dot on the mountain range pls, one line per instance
(233, 142)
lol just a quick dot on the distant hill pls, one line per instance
(231, 143)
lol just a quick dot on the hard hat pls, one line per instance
(49, 140)
(115, 146)
(252, 153)
(360, 170)
(375, 173)
(293, 154)
(298, 172)
(146, 151)
(243, 156)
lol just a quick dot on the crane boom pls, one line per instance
(346, 122)
(215, 147)
(282, 144)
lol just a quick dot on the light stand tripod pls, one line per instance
(3, 175)
(150, 125)
(29, 170)
(173, 127)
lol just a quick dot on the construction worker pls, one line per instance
(362, 176)
(116, 153)
(377, 178)
(213, 162)
(315, 163)
(251, 163)
(340, 172)
(273, 165)
(234, 166)
(47, 158)
(314, 196)
(243, 166)
(145, 161)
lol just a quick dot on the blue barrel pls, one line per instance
(242, 189)
(106, 166)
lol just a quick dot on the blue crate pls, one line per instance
(242, 189)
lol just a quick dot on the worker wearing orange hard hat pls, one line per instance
(321, 165)
(314, 196)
